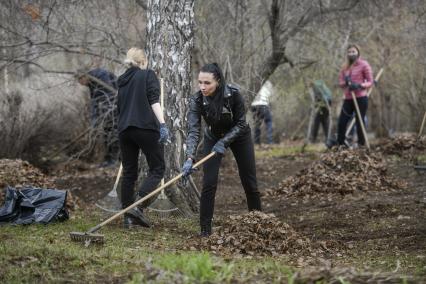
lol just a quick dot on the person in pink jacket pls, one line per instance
(356, 76)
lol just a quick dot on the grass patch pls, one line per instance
(46, 254)
(39, 253)
(277, 151)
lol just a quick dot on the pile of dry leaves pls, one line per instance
(254, 234)
(341, 171)
(18, 173)
(402, 145)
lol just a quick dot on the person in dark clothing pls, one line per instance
(222, 108)
(355, 77)
(103, 86)
(141, 126)
(322, 103)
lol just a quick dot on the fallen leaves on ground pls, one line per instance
(340, 171)
(402, 146)
(252, 234)
(18, 173)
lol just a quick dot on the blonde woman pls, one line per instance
(141, 126)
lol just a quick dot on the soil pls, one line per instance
(376, 223)
(379, 224)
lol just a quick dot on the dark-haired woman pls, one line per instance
(356, 76)
(222, 108)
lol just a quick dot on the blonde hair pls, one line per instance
(136, 57)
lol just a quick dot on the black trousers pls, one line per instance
(243, 151)
(321, 118)
(348, 111)
(131, 140)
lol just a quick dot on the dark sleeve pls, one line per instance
(113, 81)
(194, 127)
(153, 88)
(117, 105)
(239, 117)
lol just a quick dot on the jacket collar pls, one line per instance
(227, 94)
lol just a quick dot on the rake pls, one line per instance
(90, 236)
(162, 208)
(111, 203)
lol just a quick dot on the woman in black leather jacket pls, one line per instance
(222, 108)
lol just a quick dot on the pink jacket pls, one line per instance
(361, 73)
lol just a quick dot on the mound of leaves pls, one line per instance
(402, 145)
(341, 171)
(252, 234)
(18, 173)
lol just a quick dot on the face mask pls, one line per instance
(352, 58)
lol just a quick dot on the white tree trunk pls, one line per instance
(169, 47)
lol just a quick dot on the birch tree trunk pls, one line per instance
(169, 47)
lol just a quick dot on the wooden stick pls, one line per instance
(162, 105)
(379, 74)
(299, 127)
(361, 121)
(113, 193)
(173, 180)
(422, 126)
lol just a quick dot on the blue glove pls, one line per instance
(355, 86)
(164, 134)
(186, 171)
(219, 147)
(187, 168)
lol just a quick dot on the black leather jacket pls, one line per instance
(231, 125)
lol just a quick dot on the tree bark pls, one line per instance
(169, 46)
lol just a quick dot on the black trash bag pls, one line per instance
(30, 205)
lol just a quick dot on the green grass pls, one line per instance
(287, 150)
(38, 253)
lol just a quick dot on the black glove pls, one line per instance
(219, 147)
(348, 80)
(355, 86)
(164, 134)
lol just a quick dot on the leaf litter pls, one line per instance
(340, 171)
(18, 173)
(252, 234)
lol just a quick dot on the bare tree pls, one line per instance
(169, 46)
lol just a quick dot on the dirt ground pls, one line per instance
(387, 228)
(381, 225)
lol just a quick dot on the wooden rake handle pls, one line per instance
(422, 126)
(173, 180)
(361, 121)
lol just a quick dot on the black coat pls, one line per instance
(137, 90)
(231, 125)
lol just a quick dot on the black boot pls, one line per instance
(134, 217)
(253, 202)
(206, 230)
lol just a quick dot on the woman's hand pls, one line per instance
(187, 167)
(219, 147)
(164, 134)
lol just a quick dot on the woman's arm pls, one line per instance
(342, 81)
(156, 108)
(239, 117)
(153, 94)
(367, 73)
